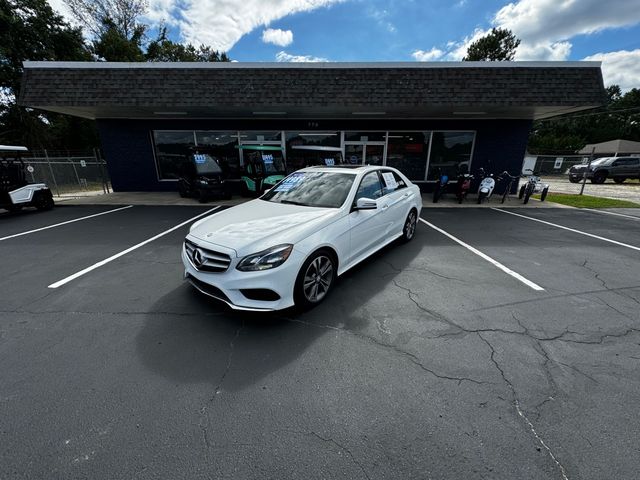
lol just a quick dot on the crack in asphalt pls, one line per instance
(555, 297)
(608, 289)
(412, 358)
(204, 411)
(422, 269)
(342, 447)
(516, 404)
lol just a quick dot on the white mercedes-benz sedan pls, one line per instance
(288, 247)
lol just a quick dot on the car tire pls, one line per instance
(599, 178)
(307, 288)
(543, 195)
(574, 179)
(409, 228)
(619, 179)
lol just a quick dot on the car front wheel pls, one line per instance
(315, 279)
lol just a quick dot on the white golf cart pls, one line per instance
(15, 191)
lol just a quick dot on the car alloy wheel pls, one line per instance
(409, 229)
(318, 279)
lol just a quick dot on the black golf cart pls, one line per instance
(15, 191)
(203, 177)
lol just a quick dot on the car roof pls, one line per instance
(354, 169)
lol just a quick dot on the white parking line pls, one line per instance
(495, 263)
(63, 223)
(128, 250)
(604, 239)
(611, 213)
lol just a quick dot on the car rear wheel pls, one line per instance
(409, 229)
(574, 179)
(315, 279)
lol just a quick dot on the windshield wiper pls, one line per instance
(291, 202)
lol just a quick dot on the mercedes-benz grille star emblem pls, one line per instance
(198, 257)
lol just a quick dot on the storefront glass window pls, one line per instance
(312, 148)
(450, 154)
(223, 147)
(172, 148)
(256, 136)
(408, 152)
(364, 136)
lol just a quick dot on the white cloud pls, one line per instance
(282, 38)
(546, 26)
(427, 56)
(221, 23)
(287, 57)
(620, 68)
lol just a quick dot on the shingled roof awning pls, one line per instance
(504, 90)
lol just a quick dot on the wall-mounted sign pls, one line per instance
(558, 163)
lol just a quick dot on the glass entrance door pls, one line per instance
(354, 154)
(364, 153)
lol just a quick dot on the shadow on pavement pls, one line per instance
(212, 341)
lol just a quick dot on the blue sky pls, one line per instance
(407, 30)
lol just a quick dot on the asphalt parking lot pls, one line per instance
(506, 345)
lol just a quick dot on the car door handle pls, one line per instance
(407, 194)
(386, 205)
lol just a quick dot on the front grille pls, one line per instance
(206, 260)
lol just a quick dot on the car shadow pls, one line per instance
(210, 343)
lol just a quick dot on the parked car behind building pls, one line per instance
(617, 168)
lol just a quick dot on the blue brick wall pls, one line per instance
(127, 145)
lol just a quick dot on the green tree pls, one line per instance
(31, 30)
(619, 118)
(162, 49)
(498, 45)
(112, 45)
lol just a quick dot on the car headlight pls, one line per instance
(271, 258)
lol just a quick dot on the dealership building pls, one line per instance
(422, 118)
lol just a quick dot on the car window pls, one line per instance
(312, 189)
(370, 187)
(391, 181)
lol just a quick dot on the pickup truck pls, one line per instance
(616, 168)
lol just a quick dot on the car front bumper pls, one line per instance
(227, 286)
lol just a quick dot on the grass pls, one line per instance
(587, 201)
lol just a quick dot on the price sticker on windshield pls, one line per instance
(389, 180)
(290, 182)
(329, 162)
(199, 158)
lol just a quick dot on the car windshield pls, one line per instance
(206, 164)
(312, 189)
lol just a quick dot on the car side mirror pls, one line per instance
(366, 204)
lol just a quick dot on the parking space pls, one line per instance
(426, 361)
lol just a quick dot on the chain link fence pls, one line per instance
(68, 173)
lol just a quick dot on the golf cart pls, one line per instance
(263, 168)
(15, 191)
(202, 177)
